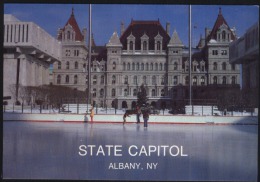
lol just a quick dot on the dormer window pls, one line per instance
(158, 43)
(144, 43)
(131, 46)
(131, 43)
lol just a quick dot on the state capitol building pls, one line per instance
(145, 53)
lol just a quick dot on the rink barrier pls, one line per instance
(153, 119)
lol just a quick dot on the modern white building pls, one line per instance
(28, 52)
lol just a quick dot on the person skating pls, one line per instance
(145, 117)
(92, 114)
(124, 117)
(138, 114)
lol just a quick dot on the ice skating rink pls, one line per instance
(164, 152)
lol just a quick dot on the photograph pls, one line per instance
(130, 92)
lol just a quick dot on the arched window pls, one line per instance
(224, 66)
(195, 80)
(137, 66)
(154, 80)
(94, 81)
(175, 80)
(135, 80)
(153, 93)
(102, 80)
(75, 79)
(144, 80)
(113, 79)
(67, 65)
(114, 65)
(68, 35)
(175, 66)
(224, 80)
(133, 66)
(223, 35)
(76, 65)
(113, 92)
(59, 65)
(215, 80)
(124, 66)
(233, 80)
(128, 66)
(126, 80)
(215, 66)
(58, 79)
(67, 79)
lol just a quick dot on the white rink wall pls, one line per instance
(111, 118)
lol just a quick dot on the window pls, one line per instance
(67, 52)
(158, 45)
(128, 66)
(67, 65)
(58, 79)
(233, 80)
(224, 80)
(137, 66)
(175, 66)
(94, 80)
(215, 80)
(113, 92)
(67, 79)
(202, 80)
(162, 80)
(224, 35)
(147, 67)
(76, 65)
(102, 80)
(223, 52)
(133, 66)
(154, 80)
(194, 80)
(175, 51)
(125, 92)
(175, 80)
(165, 66)
(215, 66)
(135, 92)
(224, 66)
(233, 67)
(151, 67)
(113, 79)
(94, 94)
(75, 79)
(144, 80)
(144, 45)
(156, 66)
(214, 52)
(142, 66)
(124, 66)
(114, 65)
(131, 45)
(59, 65)
(153, 93)
(135, 80)
(126, 80)
(203, 67)
(68, 35)
(101, 93)
(76, 52)
(187, 80)
(161, 67)
(162, 92)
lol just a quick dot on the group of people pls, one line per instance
(138, 113)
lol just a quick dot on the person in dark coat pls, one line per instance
(138, 114)
(145, 117)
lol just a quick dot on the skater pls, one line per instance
(92, 114)
(124, 117)
(138, 114)
(146, 118)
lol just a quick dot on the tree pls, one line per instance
(142, 98)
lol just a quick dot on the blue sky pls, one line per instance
(107, 18)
